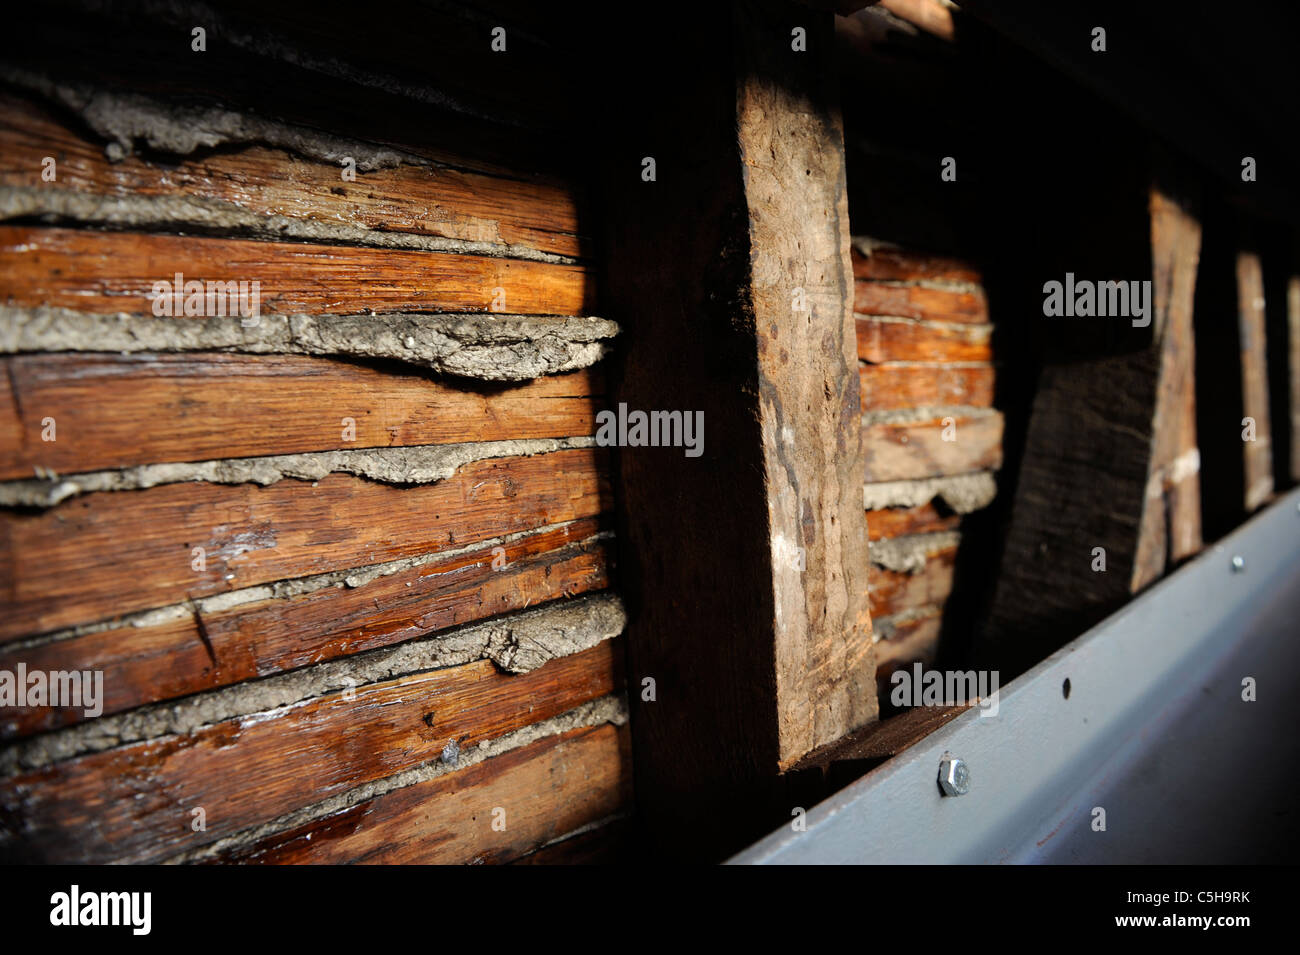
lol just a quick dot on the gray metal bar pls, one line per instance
(1154, 731)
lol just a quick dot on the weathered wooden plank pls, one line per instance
(747, 317)
(922, 519)
(1171, 517)
(430, 200)
(610, 843)
(884, 739)
(888, 387)
(134, 803)
(886, 263)
(892, 592)
(195, 407)
(146, 662)
(898, 451)
(107, 554)
(888, 340)
(1107, 493)
(109, 272)
(546, 789)
(919, 301)
(913, 639)
(1252, 326)
(1293, 367)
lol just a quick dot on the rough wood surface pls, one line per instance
(888, 340)
(107, 554)
(747, 317)
(918, 301)
(917, 449)
(1171, 519)
(204, 648)
(1109, 451)
(109, 272)
(547, 789)
(906, 265)
(893, 592)
(1252, 326)
(134, 803)
(1293, 369)
(923, 518)
(204, 406)
(427, 200)
(887, 387)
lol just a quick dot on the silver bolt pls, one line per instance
(1238, 563)
(954, 776)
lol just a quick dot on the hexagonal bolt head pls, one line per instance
(954, 776)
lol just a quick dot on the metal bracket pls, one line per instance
(1156, 728)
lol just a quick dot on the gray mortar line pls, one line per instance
(886, 628)
(908, 554)
(926, 413)
(289, 588)
(516, 643)
(182, 213)
(964, 493)
(487, 346)
(180, 129)
(932, 323)
(410, 465)
(609, 709)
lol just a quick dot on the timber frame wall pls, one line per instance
(360, 581)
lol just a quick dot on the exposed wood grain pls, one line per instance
(195, 407)
(897, 521)
(610, 843)
(106, 554)
(1254, 379)
(1293, 368)
(164, 661)
(917, 449)
(1110, 457)
(918, 301)
(749, 151)
(133, 803)
(546, 789)
(887, 340)
(886, 738)
(887, 387)
(1171, 518)
(911, 640)
(108, 272)
(893, 592)
(435, 200)
(906, 265)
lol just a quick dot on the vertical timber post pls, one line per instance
(744, 569)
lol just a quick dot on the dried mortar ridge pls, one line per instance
(491, 347)
(125, 119)
(422, 464)
(608, 709)
(908, 554)
(205, 214)
(516, 643)
(925, 413)
(295, 586)
(964, 493)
